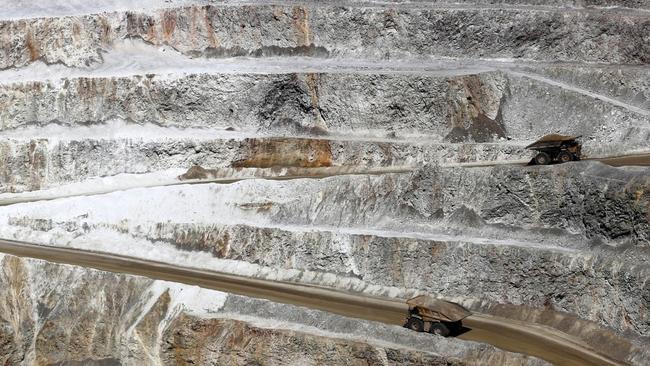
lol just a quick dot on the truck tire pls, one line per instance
(542, 159)
(564, 157)
(415, 324)
(439, 329)
(455, 328)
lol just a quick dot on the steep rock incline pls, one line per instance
(475, 107)
(272, 103)
(520, 270)
(192, 340)
(592, 286)
(43, 163)
(323, 31)
(408, 120)
(83, 316)
(535, 204)
(629, 84)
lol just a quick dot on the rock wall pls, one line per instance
(336, 31)
(88, 317)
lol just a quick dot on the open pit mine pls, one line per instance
(232, 182)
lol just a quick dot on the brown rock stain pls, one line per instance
(147, 329)
(301, 24)
(195, 172)
(15, 309)
(168, 25)
(211, 34)
(76, 30)
(437, 250)
(311, 79)
(32, 47)
(189, 343)
(206, 239)
(285, 152)
(105, 31)
(230, 342)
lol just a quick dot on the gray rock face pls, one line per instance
(629, 85)
(476, 107)
(88, 317)
(446, 112)
(289, 103)
(615, 212)
(365, 32)
(577, 269)
(41, 164)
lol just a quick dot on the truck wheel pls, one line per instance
(564, 157)
(415, 324)
(455, 328)
(542, 159)
(439, 329)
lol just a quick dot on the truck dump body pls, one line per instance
(555, 148)
(552, 140)
(438, 309)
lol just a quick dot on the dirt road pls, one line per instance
(627, 160)
(320, 173)
(622, 160)
(535, 340)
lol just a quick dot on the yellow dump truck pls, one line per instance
(435, 316)
(556, 148)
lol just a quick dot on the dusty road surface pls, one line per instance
(516, 336)
(318, 173)
(627, 160)
(622, 160)
(531, 339)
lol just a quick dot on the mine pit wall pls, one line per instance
(192, 340)
(88, 317)
(627, 84)
(480, 107)
(594, 205)
(299, 103)
(538, 285)
(358, 32)
(41, 164)
(600, 290)
(452, 110)
(604, 204)
(599, 284)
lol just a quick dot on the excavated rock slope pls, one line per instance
(83, 316)
(99, 97)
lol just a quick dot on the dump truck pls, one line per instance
(555, 148)
(436, 316)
